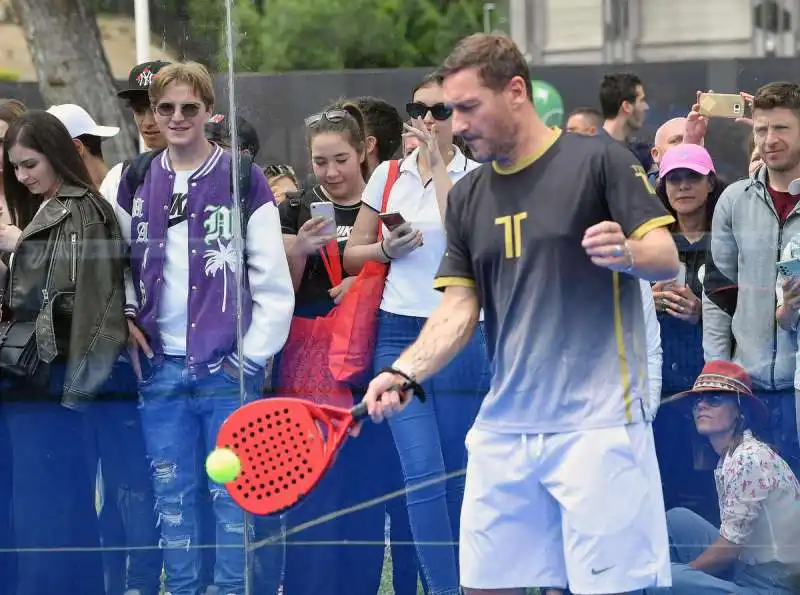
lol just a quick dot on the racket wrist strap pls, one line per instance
(411, 382)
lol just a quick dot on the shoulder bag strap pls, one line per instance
(394, 173)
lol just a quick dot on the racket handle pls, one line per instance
(360, 412)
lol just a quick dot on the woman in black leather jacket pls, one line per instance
(66, 276)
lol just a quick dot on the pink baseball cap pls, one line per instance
(693, 157)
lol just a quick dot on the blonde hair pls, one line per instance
(193, 74)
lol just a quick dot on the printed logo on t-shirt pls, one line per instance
(177, 208)
(343, 232)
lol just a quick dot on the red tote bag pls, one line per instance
(356, 317)
(303, 370)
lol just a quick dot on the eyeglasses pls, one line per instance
(711, 400)
(277, 170)
(439, 111)
(334, 115)
(679, 175)
(188, 110)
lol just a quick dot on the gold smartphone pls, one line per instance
(721, 105)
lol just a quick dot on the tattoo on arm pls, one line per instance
(442, 337)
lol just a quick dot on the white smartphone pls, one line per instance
(325, 209)
(789, 268)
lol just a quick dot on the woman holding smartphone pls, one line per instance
(689, 188)
(322, 213)
(429, 436)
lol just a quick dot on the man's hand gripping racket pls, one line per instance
(284, 446)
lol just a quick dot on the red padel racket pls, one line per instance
(285, 446)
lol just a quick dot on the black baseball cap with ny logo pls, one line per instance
(141, 77)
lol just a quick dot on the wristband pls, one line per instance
(410, 384)
(385, 253)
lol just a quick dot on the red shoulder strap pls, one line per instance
(394, 173)
(332, 261)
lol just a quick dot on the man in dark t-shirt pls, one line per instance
(548, 238)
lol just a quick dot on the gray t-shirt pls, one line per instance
(566, 337)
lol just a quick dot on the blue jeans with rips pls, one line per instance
(180, 413)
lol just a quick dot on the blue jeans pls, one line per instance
(177, 411)
(690, 535)
(127, 518)
(782, 432)
(55, 524)
(430, 442)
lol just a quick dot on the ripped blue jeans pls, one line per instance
(179, 414)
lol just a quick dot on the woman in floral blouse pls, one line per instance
(756, 550)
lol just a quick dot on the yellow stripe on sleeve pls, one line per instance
(649, 226)
(443, 282)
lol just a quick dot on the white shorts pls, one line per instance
(582, 510)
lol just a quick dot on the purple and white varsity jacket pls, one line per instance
(268, 293)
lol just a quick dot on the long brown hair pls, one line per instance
(351, 127)
(44, 133)
(717, 187)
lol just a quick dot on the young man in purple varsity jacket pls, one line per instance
(182, 309)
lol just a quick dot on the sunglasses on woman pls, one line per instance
(679, 175)
(334, 116)
(439, 111)
(710, 400)
(188, 110)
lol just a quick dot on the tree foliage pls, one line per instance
(348, 34)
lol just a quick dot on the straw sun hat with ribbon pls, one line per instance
(728, 380)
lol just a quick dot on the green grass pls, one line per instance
(386, 579)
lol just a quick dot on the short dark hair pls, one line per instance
(44, 133)
(778, 94)
(590, 112)
(93, 144)
(615, 90)
(496, 57)
(383, 121)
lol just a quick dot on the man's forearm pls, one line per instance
(445, 334)
(655, 256)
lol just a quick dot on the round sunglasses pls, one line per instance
(188, 110)
(334, 116)
(439, 111)
(711, 400)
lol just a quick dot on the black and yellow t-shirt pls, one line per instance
(566, 337)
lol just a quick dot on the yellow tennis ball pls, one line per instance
(223, 465)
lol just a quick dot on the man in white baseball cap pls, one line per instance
(88, 136)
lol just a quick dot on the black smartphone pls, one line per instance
(392, 220)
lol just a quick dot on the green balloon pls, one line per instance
(548, 103)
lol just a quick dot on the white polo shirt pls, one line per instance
(409, 286)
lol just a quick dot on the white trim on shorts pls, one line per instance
(582, 510)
